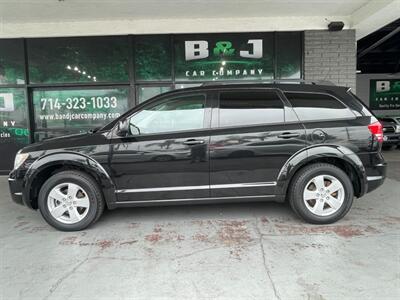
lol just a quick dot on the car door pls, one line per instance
(250, 142)
(165, 154)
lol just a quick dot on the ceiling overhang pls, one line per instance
(50, 18)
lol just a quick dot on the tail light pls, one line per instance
(377, 130)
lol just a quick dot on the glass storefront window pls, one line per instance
(78, 109)
(153, 58)
(186, 85)
(288, 55)
(147, 92)
(86, 59)
(14, 133)
(205, 57)
(12, 61)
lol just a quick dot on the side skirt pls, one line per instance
(190, 201)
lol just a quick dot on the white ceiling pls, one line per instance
(75, 10)
(41, 18)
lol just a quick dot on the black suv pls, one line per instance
(316, 146)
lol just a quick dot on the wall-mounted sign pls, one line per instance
(384, 94)
(78, 108)
(224, 56)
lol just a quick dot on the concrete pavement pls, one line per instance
(236, 251)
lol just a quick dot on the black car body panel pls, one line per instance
(212, 164)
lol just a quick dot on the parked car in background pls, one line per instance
(391, 132)
(315, 146)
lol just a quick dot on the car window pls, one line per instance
(238, 108)
(310, 107)
(175, 114)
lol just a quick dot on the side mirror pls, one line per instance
(123, 128)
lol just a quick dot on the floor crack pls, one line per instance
(69, 273)
(267, 270)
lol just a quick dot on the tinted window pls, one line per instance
(288, 55)
(153, 57)
(12, 61)
(176, 114)
(147, 92)
(318, 107)
(249, 108)
(88, 59)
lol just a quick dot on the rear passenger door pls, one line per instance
(250, 142)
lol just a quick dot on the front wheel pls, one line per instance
(70, 201)
(321, 193)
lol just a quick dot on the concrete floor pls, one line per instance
(241, 251)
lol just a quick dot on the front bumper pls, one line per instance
(16, 190)
(391, 139)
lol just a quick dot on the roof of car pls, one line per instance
(295, 86)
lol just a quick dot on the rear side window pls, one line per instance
(310, 107)
(241, 108)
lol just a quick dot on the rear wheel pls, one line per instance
(321, 193)
(70, 200)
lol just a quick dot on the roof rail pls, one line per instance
(272, 81)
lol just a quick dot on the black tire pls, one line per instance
(92, 190)
(299, 182)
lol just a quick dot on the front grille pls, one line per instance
(388, 129)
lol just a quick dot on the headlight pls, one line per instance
(397, 128)
(19, 159)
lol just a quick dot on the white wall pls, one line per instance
(362, 84)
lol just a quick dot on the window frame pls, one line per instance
(216, 108)
(163, 99)
(284, 92)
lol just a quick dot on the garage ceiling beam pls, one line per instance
(378, 42)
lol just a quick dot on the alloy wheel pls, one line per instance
(324, 195)
(68, 203)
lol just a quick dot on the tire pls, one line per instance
(57, 195)
(320, 210)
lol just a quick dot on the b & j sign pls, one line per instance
(224, 56)
(384, 94)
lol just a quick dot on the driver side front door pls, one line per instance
(165, 156)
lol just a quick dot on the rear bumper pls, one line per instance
(376, 180)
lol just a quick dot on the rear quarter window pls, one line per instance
(314, 107)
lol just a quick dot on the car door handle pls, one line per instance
(288, 135)
(193, 142)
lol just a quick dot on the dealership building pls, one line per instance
(65, 70)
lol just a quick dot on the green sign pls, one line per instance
(224, 56)
(78, 108)
(384, 94)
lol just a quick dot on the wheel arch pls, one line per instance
(53, 163)
(339, 156)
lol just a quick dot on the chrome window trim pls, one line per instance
(197, 187)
